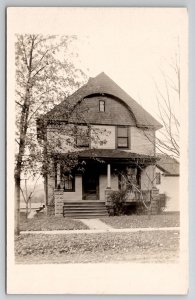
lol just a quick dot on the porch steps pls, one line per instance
(85, 209)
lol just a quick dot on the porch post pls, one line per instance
(58, 175)
(108, 177)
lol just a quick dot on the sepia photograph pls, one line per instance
(97, 144)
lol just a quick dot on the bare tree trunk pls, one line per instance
(27, 209)
(26, 199)
(17, 206)
(30, 204)
(149, 208)
(18, 168)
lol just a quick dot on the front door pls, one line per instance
(90, 185)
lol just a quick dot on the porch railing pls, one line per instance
(139, 196)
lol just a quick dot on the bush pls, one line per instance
(118, 201)
(141, 209)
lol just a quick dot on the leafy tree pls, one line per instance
(45, 74)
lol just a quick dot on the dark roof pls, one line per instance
(102, 84)
(110, 154)
(167, 164)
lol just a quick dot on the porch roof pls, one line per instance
(113, 154)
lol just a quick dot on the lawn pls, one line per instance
(43, 222)
(143, 221)
(139, 247)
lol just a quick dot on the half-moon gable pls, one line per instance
(113, 112)
(102, 84)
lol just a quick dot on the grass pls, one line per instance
(98, 247)
(42, 222)
(143, 221)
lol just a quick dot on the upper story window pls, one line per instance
(122, 137)
(101, 105)
(82, 136)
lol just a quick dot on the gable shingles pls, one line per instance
(102, 84)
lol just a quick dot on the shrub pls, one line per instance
(118, 201)
(141, 208)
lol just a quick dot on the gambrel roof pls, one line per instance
(104, 85)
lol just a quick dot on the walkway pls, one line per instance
(130, 230)
(95, 224)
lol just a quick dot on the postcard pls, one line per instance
(97, 143)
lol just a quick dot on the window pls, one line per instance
(101, 105)
(82, 136)
(68, 182)
(122, 183)
(158, 178)
(122, 137)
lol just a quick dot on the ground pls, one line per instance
(43, 222)
(153, 246)
(143, 221)
(141, 246)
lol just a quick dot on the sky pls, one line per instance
(134, 49)
(131, 45)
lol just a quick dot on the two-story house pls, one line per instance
(110, 134)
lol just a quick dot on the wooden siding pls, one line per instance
(142, 141)
(147, 178)
(104, 133)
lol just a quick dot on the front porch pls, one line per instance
(87, 191)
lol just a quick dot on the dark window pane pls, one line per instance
(68, 182)
(122, 142)
(122, 132)
(82, 136)
(83, 141)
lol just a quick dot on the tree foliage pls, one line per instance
(45, 74)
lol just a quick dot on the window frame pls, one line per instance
(73, 182)
(104, 105)
(118, 137)
(76, 137)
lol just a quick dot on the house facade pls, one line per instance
(97, 135)
(167, 181)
